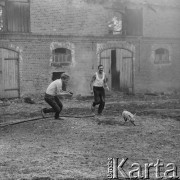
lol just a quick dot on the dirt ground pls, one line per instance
(79, 148)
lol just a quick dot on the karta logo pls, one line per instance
(118, 169)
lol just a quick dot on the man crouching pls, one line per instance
(51, 96)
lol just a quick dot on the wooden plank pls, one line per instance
(126, 75)
(109, 75)
(25, 1)
(105, 60)
(127, 57)
(1, 76)
(11, 58)
(10, 74)
(12, 89)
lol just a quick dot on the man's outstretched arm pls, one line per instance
(91, 83)
(105, 83)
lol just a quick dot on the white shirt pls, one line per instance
(99, 82)
(55, 88)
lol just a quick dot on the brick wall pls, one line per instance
(36, 72)
(85, 25)
(163, 22)
(74, 17)
(150, 77)
(77, 17)
(33, 66)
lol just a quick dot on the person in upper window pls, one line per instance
(97, 85)
(52, 94)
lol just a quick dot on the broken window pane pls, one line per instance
(115, 24)
(1, 18)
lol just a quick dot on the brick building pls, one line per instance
(137, 41)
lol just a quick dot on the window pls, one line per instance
(61, 57)
(14, 16)
(161, 56)
(2, 16)
(128, 22)
(115, 24)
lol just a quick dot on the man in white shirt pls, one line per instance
(52, 93)
(97, 85)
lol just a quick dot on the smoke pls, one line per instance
(79, 83)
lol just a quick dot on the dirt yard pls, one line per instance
(79, 148)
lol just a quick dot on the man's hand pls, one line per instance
(92, 91)
(107, 88)
(71, 93)
(64, 93)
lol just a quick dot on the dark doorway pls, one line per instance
(115, 78)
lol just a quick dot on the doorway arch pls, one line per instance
(118, 62)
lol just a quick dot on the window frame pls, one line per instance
(131, 17)
(60, 58)
(19, 23)
(161, 58)
(111, 30)
(3, 17)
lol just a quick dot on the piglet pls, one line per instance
(127, 116)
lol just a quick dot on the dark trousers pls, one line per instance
(55, 103)
(99, 98)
